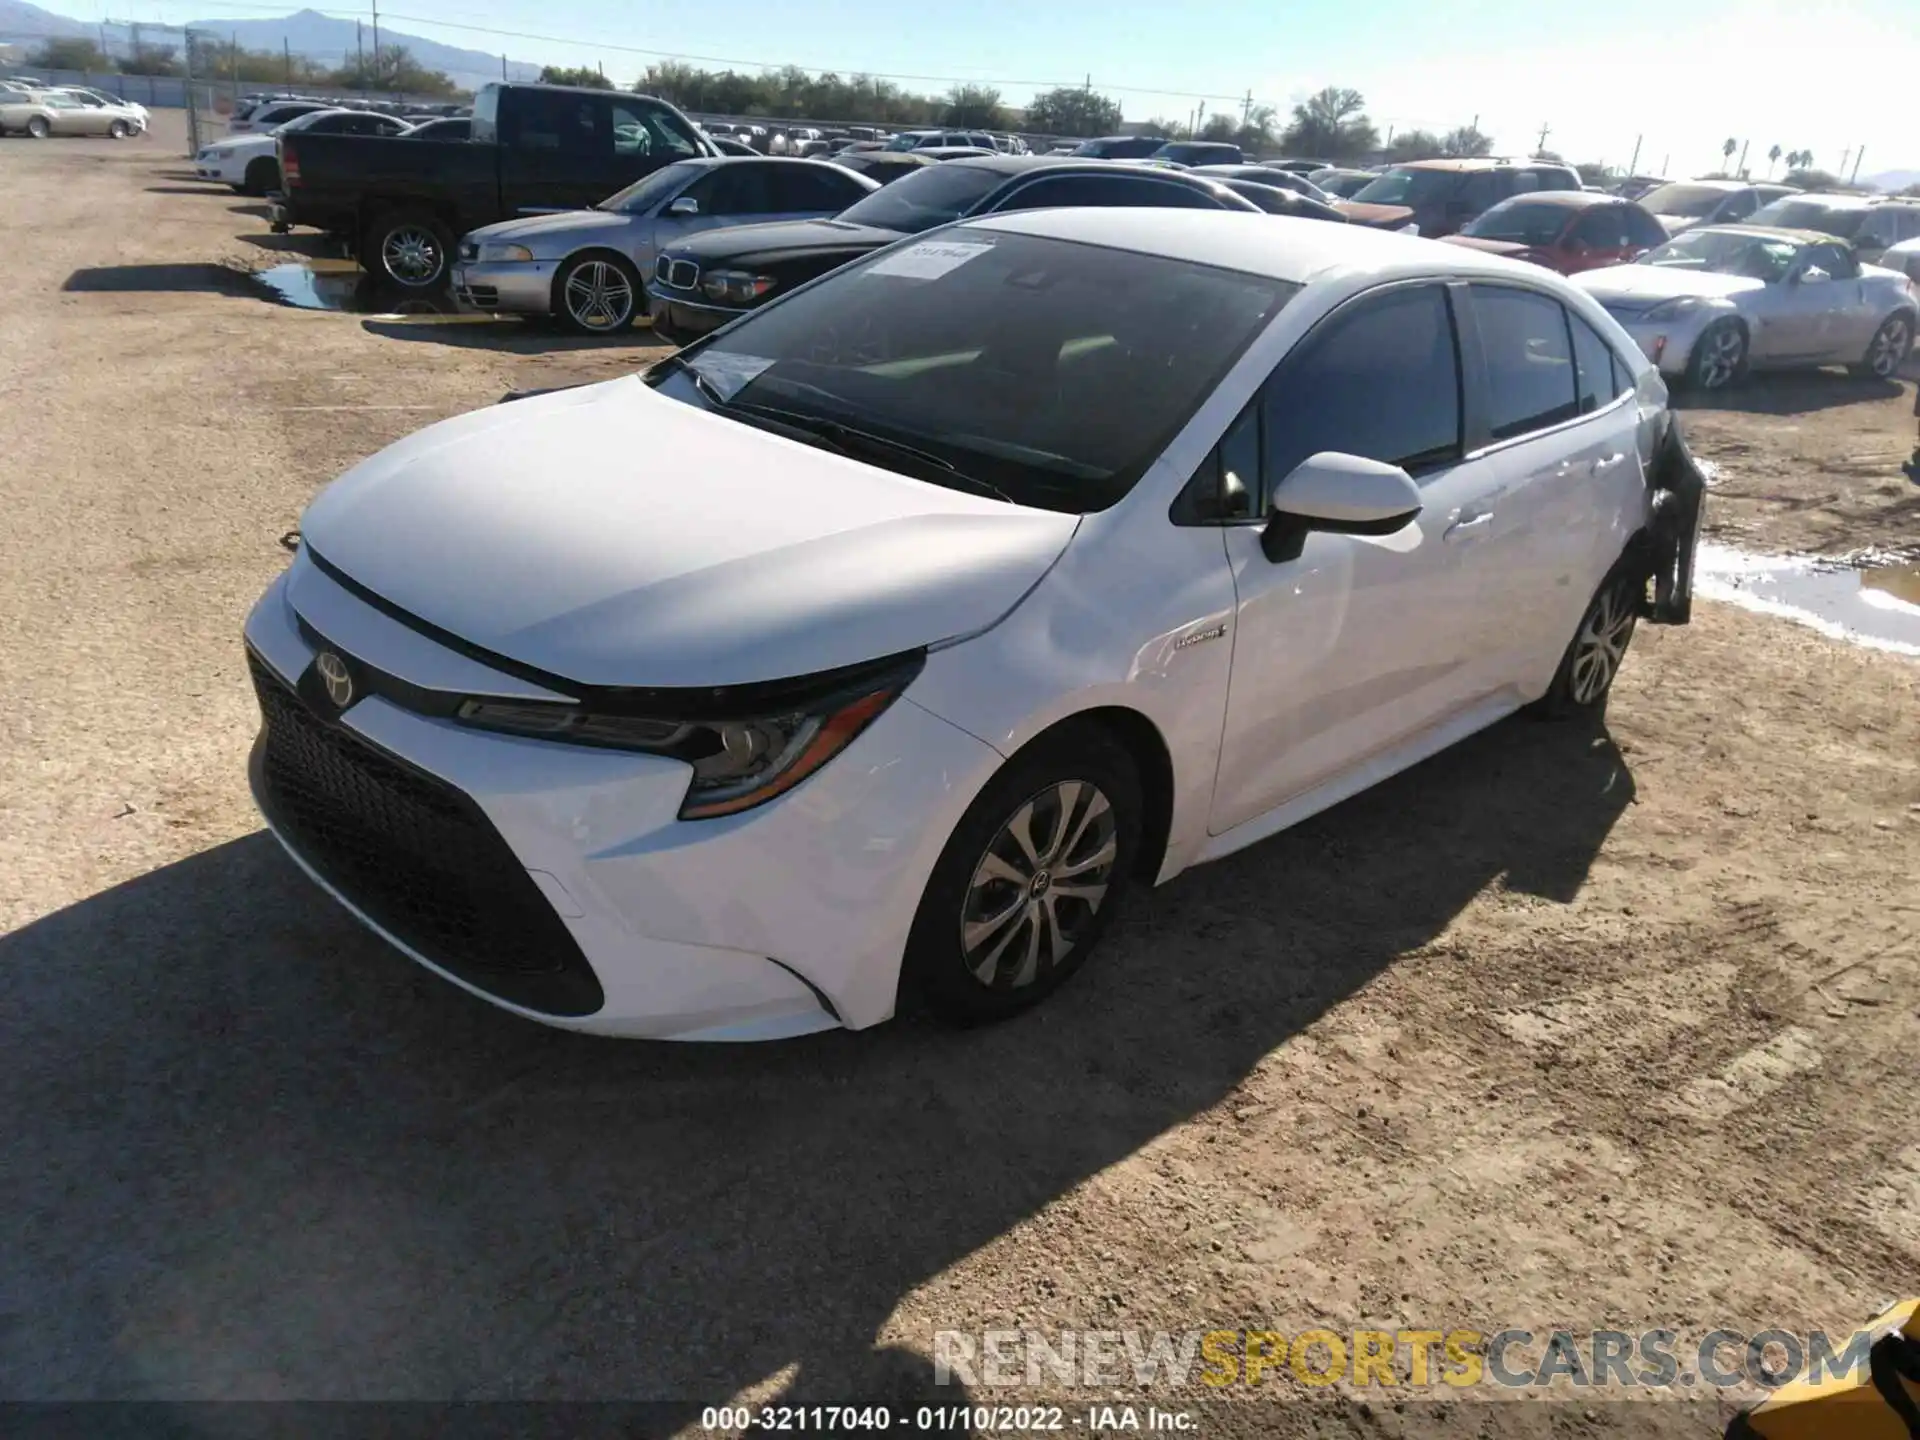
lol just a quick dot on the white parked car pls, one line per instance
(265, 115)
(250, 164)
(100, 100)
(1720, 300)
(889, 635)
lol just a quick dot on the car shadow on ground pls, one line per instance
(160, 279)
(304, 243)
(1791, 393)
(258, 210)
(522, 337)
(204, 187)
(255, 1152)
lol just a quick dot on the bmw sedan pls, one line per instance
(1719, 300)
(701, 284)
(587, 266)
(882, 643)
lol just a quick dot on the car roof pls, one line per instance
(1280, 247)
(1469, 162)
(1774, 232)
(1566, 199)
(1834, 202)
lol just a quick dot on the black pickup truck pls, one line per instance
(401, 205)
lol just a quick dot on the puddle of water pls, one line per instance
(341, 285)
(1876, 604)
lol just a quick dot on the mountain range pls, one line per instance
(306, 32)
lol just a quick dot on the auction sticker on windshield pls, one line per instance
(929, 259)
(729, 373)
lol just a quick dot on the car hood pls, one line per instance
(782, 240)
(568, 226)
(246, 144)
(614, 536)
(1379, 217)
(1651, 283)
(1490, 247)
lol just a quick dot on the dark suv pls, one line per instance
(1440, 196)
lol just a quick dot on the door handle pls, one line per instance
(1601, 466)
(1468, 528)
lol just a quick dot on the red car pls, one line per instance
(1565, 230)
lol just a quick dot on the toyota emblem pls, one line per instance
(335, 676)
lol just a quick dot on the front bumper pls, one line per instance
(780, 921)
(681, 318)
(512, 287)
(1669, 343)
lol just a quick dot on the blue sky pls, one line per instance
(1826, 77)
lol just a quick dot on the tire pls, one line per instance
(1599, 646)
(597, 294)
(263, 176)
(1887, 351)
(1000, 908)
(410, 248)
(119, 130)
(38, 128)
(1719, 357)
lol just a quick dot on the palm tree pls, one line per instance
(1773, 159)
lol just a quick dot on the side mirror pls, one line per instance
(1341, 495)
(684, 205)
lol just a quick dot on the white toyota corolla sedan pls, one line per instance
(879, 642)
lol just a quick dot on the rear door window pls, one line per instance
(1530, 374)
(1642, 228)
(558, 122)
(649, 129)
(1602, 228)
(744, 189)
(809, 188)
(1596, 370)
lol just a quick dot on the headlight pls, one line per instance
(738, 287)
(1672, 309)
(496, 252)
(740, 760)
(1410, 228)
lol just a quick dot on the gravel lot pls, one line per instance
(1564, 1027)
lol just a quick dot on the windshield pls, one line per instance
(926, 198)
(1405, 186)
(1691, 201)
(1726, 252)
(1528, 221)
(650, 190)
(1050, 372)
(307, 119)
(1811, 215)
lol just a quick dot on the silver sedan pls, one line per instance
(585, 266)
(1719, 300)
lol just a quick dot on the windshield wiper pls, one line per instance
(852, 440)
(709, 391)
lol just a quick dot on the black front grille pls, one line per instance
(416, 855)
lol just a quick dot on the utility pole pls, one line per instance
(1740, 170)
(104, 55)
(360, 55)
(375, 5)
(1843, 159)
(503, 66)
(1856, 164)
(1246, 109)
(1663, 164)
(1634, 164)
(1545, 130)
(286, 51)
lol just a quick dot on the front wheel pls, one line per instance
(1719, 356)
(1592, 661)
(119, 130)
(597, 294)
(408, 248)
(1029, 879)
(38, 127)
(1887, 351)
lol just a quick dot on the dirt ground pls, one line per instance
(1565, 1028)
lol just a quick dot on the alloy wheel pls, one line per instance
(1889, 348)
(1601, 645)
(1721, 356)
(599, 296)
(1036, 890)
(38, 128)
(411, 255)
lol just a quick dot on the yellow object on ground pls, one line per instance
(1879, 1400)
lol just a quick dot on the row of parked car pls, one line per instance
(42, 111)
(598, 208)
